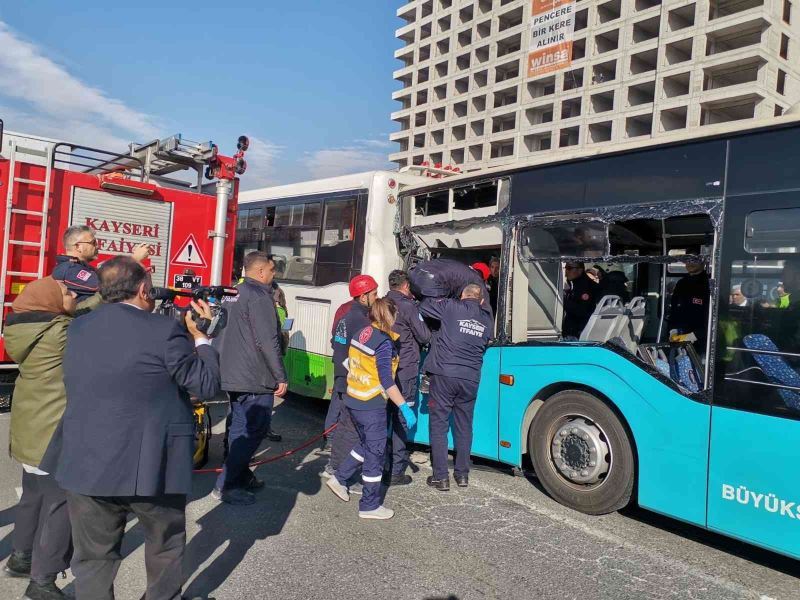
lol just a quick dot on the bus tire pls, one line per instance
(582, 453)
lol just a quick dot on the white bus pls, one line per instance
(322, 233)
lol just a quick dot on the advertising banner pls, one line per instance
(552, 28)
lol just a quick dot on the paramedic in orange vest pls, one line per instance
(372, 364)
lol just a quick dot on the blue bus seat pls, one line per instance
(775, 368)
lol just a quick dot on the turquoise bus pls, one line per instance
(705, 432)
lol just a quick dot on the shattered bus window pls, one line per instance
(588, 239)
(475, 196)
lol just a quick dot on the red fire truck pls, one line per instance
(153, 194)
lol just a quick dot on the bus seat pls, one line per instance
(300, 268)
(631, 334)
(775, 368)
(604, 323)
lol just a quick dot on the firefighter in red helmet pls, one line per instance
(351, 317)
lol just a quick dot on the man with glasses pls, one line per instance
(580, 298)
(73, 268)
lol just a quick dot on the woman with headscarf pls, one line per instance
(35, 336)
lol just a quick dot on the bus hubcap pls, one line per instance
(580, 451)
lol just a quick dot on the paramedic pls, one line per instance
(351, 317)
(372, 360)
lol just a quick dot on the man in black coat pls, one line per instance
(580, 299)
(128, 430)
(413, 333)
(251, 361)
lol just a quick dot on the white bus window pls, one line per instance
(338, 233)
(292, 240)
(773, 231)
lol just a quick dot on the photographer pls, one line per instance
(127, 436)
(251, 363)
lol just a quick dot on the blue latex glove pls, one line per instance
(408, 415)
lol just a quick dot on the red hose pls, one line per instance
(279, 456)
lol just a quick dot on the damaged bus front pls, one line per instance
(633, 406)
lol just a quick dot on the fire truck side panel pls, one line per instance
(120, 221)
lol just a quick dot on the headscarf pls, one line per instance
(43, 295)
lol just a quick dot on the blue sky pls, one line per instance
(310, 81)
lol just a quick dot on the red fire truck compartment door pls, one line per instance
(120, 222)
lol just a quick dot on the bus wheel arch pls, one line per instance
(566, 427)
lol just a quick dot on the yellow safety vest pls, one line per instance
(363, 381)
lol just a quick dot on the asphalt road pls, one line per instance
(502, 537)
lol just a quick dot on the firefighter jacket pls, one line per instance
(372, 364)
(457, 347)
(413, 333)
(350, 318)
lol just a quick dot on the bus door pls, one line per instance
(754, 491)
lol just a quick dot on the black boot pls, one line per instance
(273, 437)
(443, 485)
(18, 564)
(44, 591)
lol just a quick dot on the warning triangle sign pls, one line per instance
(189, 254)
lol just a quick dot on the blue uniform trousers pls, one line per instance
(450, 395)
(344, 437)
(368, 454)
(250, 418)
(398, 427)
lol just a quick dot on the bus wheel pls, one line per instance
(581, 453)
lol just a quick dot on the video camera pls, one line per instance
(211, 294)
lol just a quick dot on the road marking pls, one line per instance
(19, 492)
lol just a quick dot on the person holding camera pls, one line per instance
(126, 441)
(251, 362)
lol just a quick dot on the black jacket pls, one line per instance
(250, 346)
(413, 334)
(689, 306)
(457, 347)
(445, 278)
(128, 428)
(580, 299)
(350, 318)
(79, 277)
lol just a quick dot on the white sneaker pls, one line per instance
(382, 513)
(338, 489)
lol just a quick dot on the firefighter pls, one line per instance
(454, 365)
(413, 333)
(689, 303)
(351, 317)
(580, 299)
(447, 278)
(73, 268)
(372, 360)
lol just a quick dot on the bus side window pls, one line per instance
(759, 324)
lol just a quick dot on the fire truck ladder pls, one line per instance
(12, 211)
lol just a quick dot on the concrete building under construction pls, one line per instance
(486, 83)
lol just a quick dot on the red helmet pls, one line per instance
(482, 268)
(362, 284)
